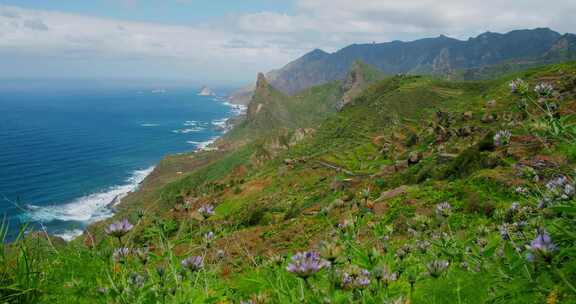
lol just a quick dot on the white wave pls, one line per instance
(189, 130)
(90, 208)
(221, 123)
(149, 125)
(69, 235)
(235, 108)
(204, 145)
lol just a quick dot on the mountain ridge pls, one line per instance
(439, 56)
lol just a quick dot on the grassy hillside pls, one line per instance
(418, 191)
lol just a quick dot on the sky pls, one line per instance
(227, 42)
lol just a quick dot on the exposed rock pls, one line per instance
(466, 131)
(488, 118)
(390, 194)
(468, 115)
(444, 158)
(340, 184)
(414, 158)
(541, 162)
(491, 103)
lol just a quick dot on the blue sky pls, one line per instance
(225, 42)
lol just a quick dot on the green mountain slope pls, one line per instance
(418, 191)
(479, 57)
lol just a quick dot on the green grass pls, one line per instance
(272, 202)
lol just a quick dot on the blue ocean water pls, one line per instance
(65, 155)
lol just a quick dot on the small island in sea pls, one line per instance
(206, 91)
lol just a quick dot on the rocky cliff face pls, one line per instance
(441, 56)
(359, 76)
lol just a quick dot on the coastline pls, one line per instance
(116, 195)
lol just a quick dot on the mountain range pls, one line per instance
(487, 55)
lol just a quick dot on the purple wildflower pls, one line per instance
(544, 89)
(137, 280)
(119, 229)
(220, 254)
(121, 253)
(193, 263)
(561, 188)
(443, 209)
(437, 267)
(209, 236)
(502, 138)
(423, 245)
(356, 279)
(206, 211)
(384, 275)
(142, 254)
(518, 86)
(505, 231)
(305, 264)
(542, 246)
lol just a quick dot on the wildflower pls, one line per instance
(193, 263)
(331, 252)
(136, 280)
(481, 242)
(209, 237)
(561, 188)
(422, 245)
(206, 211)
(502, 138)
(160, 271)
(142, 254)
(103, 290)
(305, 264)
(140, 213)
(542, 246)
(121, 253)
(505, 230)
(119, 229)
(443, 209)
(521, 190)
(356, 278)
(384, 275)
(518, 86)
(401, 253)
(277, 260)
(220, 254)
(544, 89)
(344, 224)
(437, 267)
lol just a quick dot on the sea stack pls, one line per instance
(206, 91)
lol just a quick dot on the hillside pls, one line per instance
(414, 190)
(484, 56)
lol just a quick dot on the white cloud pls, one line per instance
(241, 45)
(365, 20)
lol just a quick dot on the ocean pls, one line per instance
(65, 155)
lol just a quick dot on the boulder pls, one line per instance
(488, 118)
(467, 115)
(414, 158)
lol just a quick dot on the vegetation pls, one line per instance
(419, 191)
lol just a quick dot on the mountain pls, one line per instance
(270, 110)
(486, 55)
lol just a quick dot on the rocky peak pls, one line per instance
(355, 77)
(261, 83)
(358, 77)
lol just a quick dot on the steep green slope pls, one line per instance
(441, 56)
(415, 192)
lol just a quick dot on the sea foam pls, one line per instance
(88, 209)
